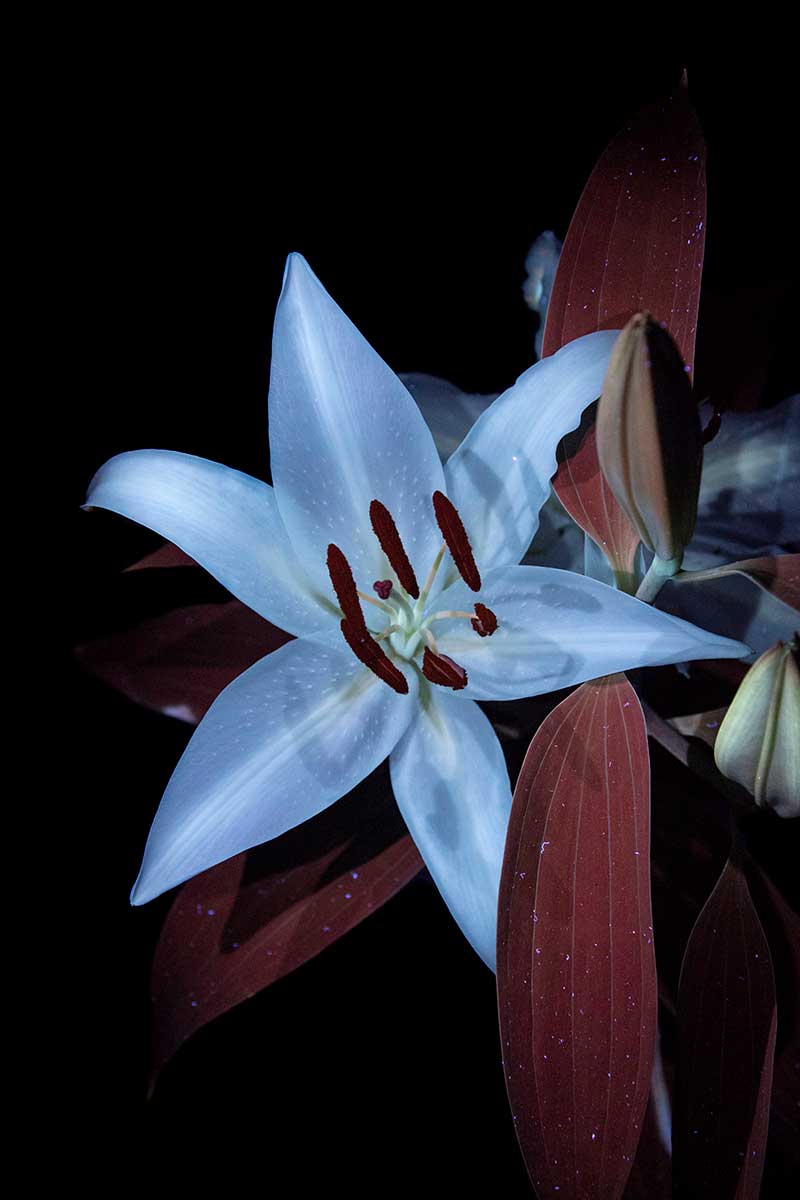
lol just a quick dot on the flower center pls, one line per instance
(407, 629)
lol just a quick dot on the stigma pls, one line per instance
(407, 634)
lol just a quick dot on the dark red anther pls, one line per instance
(345, 586)
(386, 533)
(383, 587)
(367, 650)
(439, 668)
(484, 622)
(455, 535)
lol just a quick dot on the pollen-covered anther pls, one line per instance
(345, 586)
(455, 535)
(383, 587)
(392, 546)
(484, 622)
(440, 669)
(370, 654)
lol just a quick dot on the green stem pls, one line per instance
(659, 571)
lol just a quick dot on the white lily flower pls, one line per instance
(382, 664)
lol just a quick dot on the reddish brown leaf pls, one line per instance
(779, 574)
(635, 242)
(180, 662)
(165, 556)
(781, 925)
(575, 965)
(651, 1174)
(244, 924)
(726, 1040)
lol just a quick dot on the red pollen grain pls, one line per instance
(484, 622)
(383, 587)
(367, 650)
(440, 668)
(386, 533)
(455, 536)
(345, 586)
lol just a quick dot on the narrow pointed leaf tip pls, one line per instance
(636, 242)
(727, 1022)
(251, 920)
(575, 964)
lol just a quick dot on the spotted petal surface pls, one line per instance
(557, 629)
(226, 521)
(451, 785)
(499, 477)
(344, 431)
(282, 742)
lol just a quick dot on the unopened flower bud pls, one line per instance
(758, 743)
(649, 440)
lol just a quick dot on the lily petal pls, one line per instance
(499, 477)
(451, 784)
(557, 629)
(228, 522)
(449, 413)
(344, 431)
(282, 742)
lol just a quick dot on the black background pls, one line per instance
(413, 182)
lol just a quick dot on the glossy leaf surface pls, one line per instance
(635, 242)
(576, 968)
(246, 923)
(727, 1023)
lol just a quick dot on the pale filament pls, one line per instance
(428, 584)
(389, 629)
(378, 603)
(452, 613)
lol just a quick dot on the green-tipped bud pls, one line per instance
(649, 440)
(758, 743)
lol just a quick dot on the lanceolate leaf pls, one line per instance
(778, 574)
(635, 242)
(726, 1041)
(178, 663)
(781, 925)
(575, 964)
(251, 920)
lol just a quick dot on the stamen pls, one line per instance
(484, 622)
(389, 538)
(390, 629)
(439, 668)
(428, 584)
(430, 639)
(377, 603)
(383, 587)
(345, 586)
(448, 614)
(371, 655)
(455, 535)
